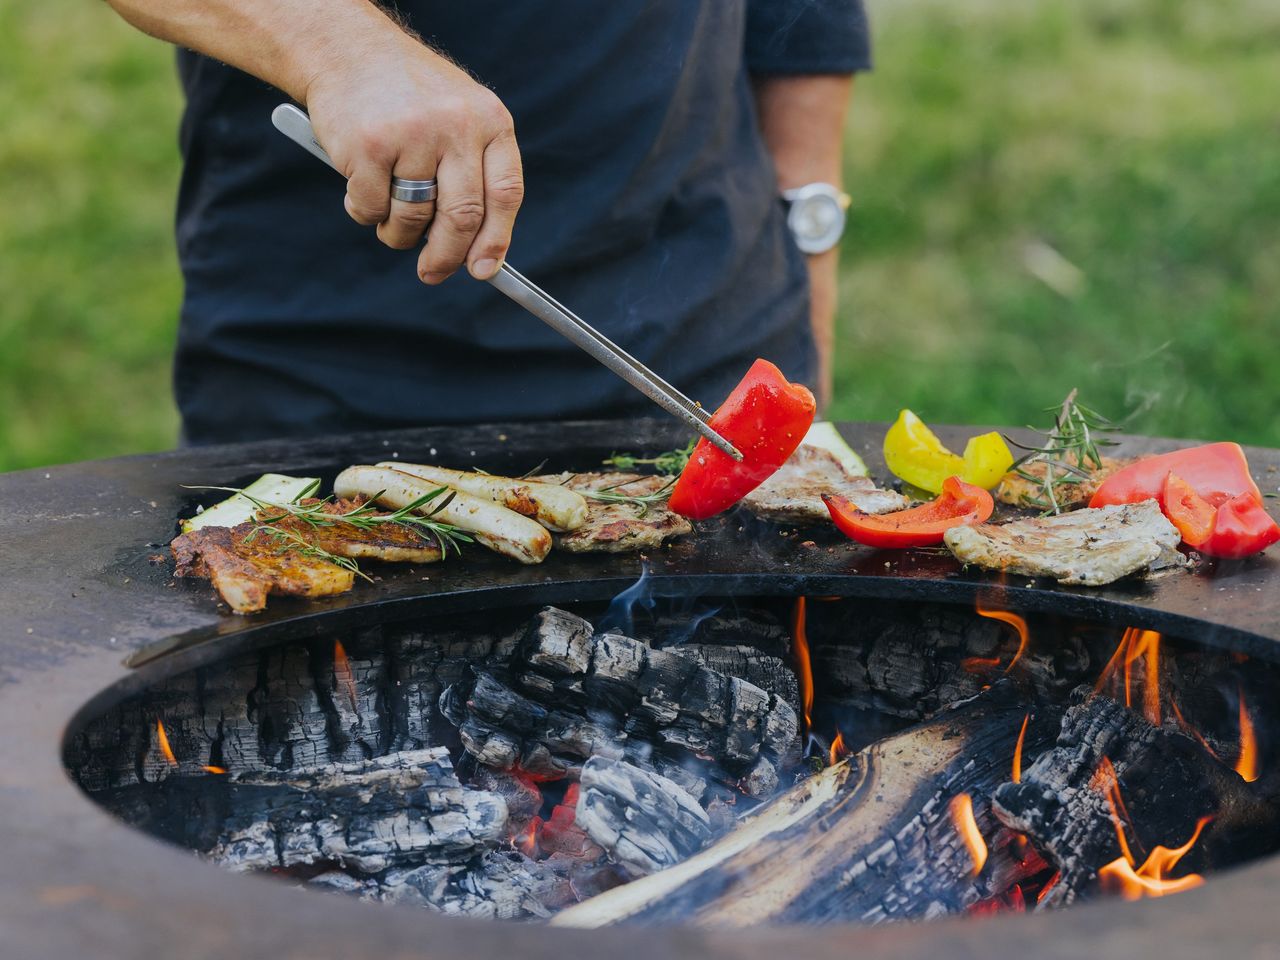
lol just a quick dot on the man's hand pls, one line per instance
(383, 104)
(408, 112)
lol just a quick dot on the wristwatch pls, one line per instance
(816, 215)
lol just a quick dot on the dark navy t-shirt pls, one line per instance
(651, 210)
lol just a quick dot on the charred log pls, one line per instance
(568, 694)
(404, 809)
(869, 839)
(771, 674)
(1167, 782)
(646, 822)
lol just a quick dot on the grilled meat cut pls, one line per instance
(1018, 491)
(1090, 547)
(389, 542)
(619, 527)
(244, 573)
(794, 493)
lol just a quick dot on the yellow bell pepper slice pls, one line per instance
(917, 456)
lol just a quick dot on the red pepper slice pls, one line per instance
(960, 503)
(1216, 471)
(765, 417)
(1241, 528)
(1191, 513)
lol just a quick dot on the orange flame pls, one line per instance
(1015, 621)
(967, 827)
(838, 749)
(1017, 750)
(211, 769)
(804, 669)
(1107, 782)
(343, 675)
(1136, 645)
(1149, 879)
(1188, 728)
(163, 739)
(526, 841)
(1247, 763)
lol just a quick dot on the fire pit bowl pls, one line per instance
(91, 619)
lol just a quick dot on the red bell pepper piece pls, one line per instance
(765, 417)
(1216, 471)
(960, 503)
(1191, 513)
(1241, 527)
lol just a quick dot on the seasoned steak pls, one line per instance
(619, 527)
(244, 573)
(1089, 547)
(390, 542)
(794, 493)
(1018, 491)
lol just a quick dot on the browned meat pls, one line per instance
(390, 542)
(1018, 491)
(244, 573)
(619, 527)
(1090, 547)
(794, 493)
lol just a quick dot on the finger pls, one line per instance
(459, 214)
(407, 222)
(368, 198)
(503, 194)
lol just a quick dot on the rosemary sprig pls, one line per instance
(286, 540)
(1069, 454)
(673, 461)
(363, 517)
(640, 501)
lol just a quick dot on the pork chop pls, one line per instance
(794, 493)
(619, 527)
(1091, 547)
(389, 542)
(244, 571)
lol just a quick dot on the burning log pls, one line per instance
(1067, 802)
(568, 694)
(645, 822)
(404, 809)
(870, 838)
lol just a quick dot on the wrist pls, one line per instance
(817, 214)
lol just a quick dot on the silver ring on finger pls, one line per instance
(413, 191)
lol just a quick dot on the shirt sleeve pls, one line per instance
(807, 36)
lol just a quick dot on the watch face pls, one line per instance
(817, 221)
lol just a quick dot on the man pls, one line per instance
(644, 143)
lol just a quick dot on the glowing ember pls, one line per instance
(967, 827)
(837, 750)
(1247, 763)
(1149, 880)
(212, 769)
(163, 739)
(1012, 901)
(1053, 881)
(526, 840)
(1017, 750)
(804, 670)
(342, 674)
(1015, 621)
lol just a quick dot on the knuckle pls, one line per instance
(464, 213)
(415, 218)
(506, 191)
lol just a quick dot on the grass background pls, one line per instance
(1048, 194)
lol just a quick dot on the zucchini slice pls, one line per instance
(825, 435)
(236, 509)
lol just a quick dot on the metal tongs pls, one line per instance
(296, 125)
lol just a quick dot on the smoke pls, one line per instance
(620, 615)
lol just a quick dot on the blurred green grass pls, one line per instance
(1050, 194)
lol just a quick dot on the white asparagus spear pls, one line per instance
(498, 528)
(556, 508)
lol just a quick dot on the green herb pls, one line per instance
(363, 517)
(1070, 453)
(287, 540)
(673, 461)
(639, 501)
